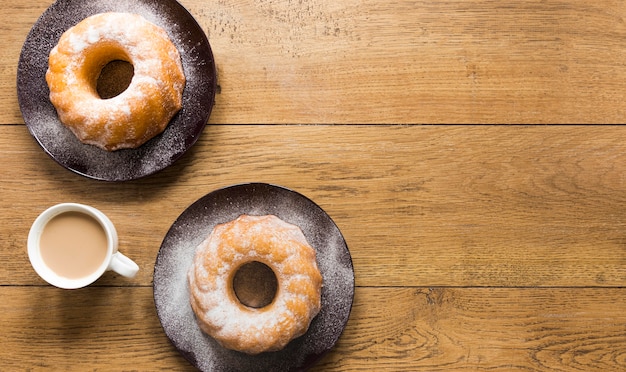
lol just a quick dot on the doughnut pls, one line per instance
(139, 112)
(231, 246)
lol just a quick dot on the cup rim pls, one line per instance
(34, 253)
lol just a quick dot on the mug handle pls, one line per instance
(123, 265)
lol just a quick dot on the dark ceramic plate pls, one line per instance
(160, 152)
(192, 227)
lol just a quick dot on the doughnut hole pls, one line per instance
(255, 285)
(107, 70)
(114, 78)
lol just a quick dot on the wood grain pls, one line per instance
(114, 329)
(475, 248)
(483, 329)
(400, 61)
(393, 329)
(418, 206)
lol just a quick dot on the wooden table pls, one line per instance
(474, 247)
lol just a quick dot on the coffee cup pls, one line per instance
(71, 245)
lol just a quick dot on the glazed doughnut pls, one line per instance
(144, 108)
(222, 315)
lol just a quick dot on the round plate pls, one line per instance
(193, 226)
(163, 150)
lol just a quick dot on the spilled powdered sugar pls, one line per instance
(181, 133)
(194, 225)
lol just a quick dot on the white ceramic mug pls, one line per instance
(113, 260)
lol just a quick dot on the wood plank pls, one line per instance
(483, 329)
(434, 329)
(87, 329)
(418, 205)
(400, 61)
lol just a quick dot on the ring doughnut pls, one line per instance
(144, 108)
(270, 241)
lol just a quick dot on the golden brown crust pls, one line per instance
(139, 113)
(275, 243)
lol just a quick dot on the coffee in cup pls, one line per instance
(71, 245)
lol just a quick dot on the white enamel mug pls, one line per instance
(113, 260)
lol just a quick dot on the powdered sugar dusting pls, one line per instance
(192, 227)
(101, 122)
(232, 245)
(158, 153)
